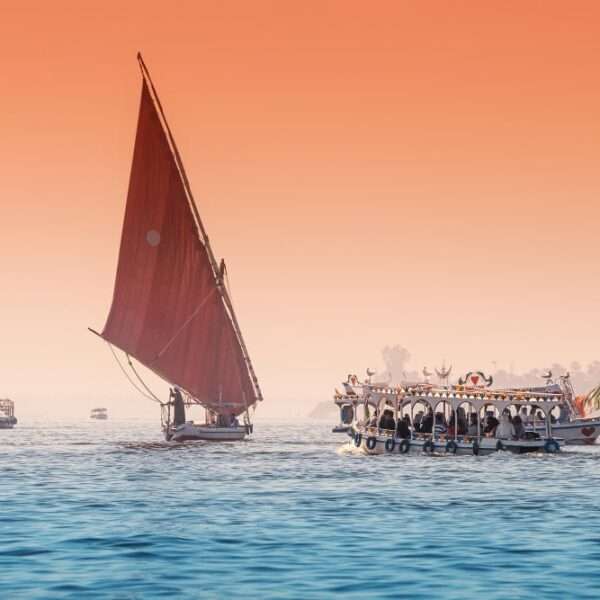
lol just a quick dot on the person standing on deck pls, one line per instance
(178, 406)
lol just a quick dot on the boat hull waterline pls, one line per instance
(192, 432)
(376, 444)
(579, 433)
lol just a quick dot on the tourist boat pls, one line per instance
(570, 421)
(171, 309)
(99, 414)
(7, 414)
(472, 395)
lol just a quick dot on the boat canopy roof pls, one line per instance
(545, 397)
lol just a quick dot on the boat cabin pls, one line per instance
(7, 414)
(99, 413)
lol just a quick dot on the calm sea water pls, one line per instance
(106, 510)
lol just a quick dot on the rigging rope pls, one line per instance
(152, 394)
(127, 375)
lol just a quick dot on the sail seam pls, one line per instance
(185, 324)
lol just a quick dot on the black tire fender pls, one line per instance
(451, 447)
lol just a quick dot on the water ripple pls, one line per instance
(109, 511)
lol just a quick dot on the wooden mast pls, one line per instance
(202, 231)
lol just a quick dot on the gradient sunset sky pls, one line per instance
(416, 173)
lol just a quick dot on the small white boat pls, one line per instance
(7, 414)
(100, 414)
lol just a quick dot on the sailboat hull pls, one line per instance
(209, 433)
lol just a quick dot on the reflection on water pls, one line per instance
(109, 510)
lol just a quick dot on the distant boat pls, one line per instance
(7, 414)
(171, 309)
(100, 414)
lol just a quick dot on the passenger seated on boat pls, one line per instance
(518, 426)
(387, 420)
(440, 423)
(418, 420)
(222, 421)
(233, 421)
(403, 428)
(472, 430)
(461, 421)
(456, 426)
(452, 426)
(490, 425)
(505, 429)
(524, 416)
(373, 420)
(427, 422)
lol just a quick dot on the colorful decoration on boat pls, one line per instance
(476, 379)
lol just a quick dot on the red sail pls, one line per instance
(167, 310)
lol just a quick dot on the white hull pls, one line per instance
(211, 433)
(369, 443)
(581, 431)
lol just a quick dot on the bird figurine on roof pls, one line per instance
(548, 377)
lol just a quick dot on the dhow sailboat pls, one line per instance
(171, 310)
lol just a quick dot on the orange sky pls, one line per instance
(422, 173)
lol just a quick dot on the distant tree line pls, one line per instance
(583, 378)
